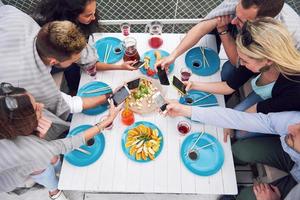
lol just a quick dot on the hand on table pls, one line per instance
(165, 63)
(264, 191)
(228, 132)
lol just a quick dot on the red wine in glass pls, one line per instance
(185, 74)
(155, 42)
(183, 128)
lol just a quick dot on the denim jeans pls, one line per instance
(249, 101)
(227, 69)
(48, 177)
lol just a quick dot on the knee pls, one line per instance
(241, 153)
(227, 69)
(246, 194)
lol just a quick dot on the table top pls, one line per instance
(114, 172)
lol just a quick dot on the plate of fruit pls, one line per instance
(150, 58)
(142, 142)
(140, 100)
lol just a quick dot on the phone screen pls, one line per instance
(138, 64)
(162, 75)
(178, 84)
(120, 95)
(133, 84)
(160, 101)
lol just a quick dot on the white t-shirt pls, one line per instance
(75, 103)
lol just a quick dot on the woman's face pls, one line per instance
(252, 64)
(88, 15)
(293, 137)
(38, 107)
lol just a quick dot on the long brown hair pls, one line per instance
(20, 121)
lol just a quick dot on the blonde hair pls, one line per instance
(60, 39)
(269, 39)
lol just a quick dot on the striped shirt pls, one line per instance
(287, 16)
(21, 65)
(25, 154)
(272, 123)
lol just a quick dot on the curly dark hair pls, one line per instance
(53, 10)
(22, 120)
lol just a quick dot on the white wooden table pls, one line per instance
(115, 173)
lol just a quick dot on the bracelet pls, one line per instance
(223, 32)
(100, 129)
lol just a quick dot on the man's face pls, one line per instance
(64, 64)
(242, 15)
(293, 137)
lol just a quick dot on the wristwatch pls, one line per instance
(223, 32)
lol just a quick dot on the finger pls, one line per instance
(131, 62)
(258, 188)
(225, 137)
(111, 104)
(158, 64)
(277, 191)
(255, 190)
(263, 186)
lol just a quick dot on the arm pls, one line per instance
(89, 57)
(229, 46)
(275, 123)
(194, 35)
(77, 104)
(227, 40)
(65, 145)
(123, 66)
(215, 87)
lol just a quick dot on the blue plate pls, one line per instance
(210, 159)
(196, 95)
(80, 159)
(93, 86)
(101, 45)
(195, 56)
(124, 138)
(153, 61)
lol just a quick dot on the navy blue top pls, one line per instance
(285, 93)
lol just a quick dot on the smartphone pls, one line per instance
(131, 85)
(162, 76)
(178, 84)
(138, 64)
(160, 101)
(120, 95)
